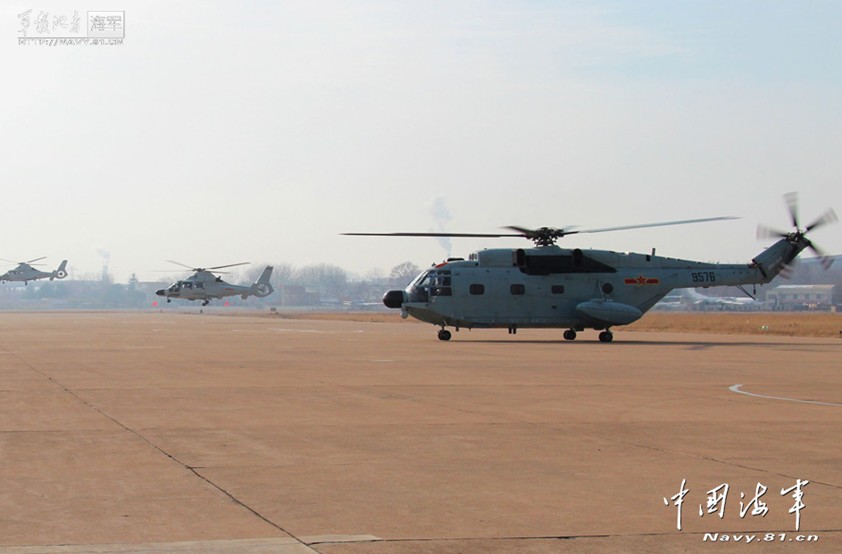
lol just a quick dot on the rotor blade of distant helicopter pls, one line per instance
(211, 269)
(229, 265)
(29, 262)
(181, 264)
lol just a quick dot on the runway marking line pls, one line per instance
(736, 388)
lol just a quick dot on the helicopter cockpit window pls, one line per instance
(200, 285)
(441, 284)
(425, 280)
(188, 285)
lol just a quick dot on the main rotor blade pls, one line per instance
(229, 265)
(29, 262)
(456, 235)
(524, 232)
(645, 225)
(559, 232)
(791, 199)
(181, 264)
(828, 217)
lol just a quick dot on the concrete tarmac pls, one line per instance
(176, 432)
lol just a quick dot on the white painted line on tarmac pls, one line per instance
(736, 388)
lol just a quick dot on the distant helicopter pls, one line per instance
(204, 285)
(552, 287)
(25, 272)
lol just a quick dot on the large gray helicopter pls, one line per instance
(550, 286)
(25, 272)
(205, 285)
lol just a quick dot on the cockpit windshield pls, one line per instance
(178, 285)
(434, 282)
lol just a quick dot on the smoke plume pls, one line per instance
(441, 217)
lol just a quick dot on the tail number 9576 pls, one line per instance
(703, 276)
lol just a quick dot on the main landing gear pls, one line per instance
(444, 334)
(604, 336)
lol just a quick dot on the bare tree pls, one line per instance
(281, 273)
(402, 274)
(330, 280)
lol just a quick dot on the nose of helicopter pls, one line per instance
(160, 292)
(393, 299)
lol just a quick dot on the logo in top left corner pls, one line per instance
(71, 27)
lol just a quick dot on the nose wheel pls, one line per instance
(570, 334)
(444, 334)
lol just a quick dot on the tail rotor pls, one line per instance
(799, 234)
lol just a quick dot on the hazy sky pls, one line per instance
(222, 132)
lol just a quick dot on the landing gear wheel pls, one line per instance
(168, 300)
(206, 302)
(444, 334)
(606, 336)
(570, 334)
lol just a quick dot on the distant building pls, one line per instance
(801, 297)
(296, 295)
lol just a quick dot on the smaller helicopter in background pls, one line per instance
(205, 285)
(25, 272)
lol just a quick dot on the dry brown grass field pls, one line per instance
(745, 323)
(730, 323)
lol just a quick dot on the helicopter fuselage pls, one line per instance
(555, 287)
(205, 286)
(190, 289)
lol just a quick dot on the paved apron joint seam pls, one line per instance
(230, 496)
